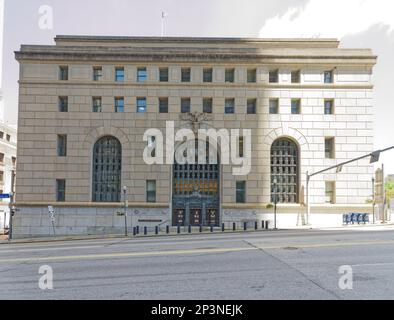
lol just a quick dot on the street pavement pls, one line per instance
(292, 264)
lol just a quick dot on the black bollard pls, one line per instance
(138, 229)
(245, 226)
(211, 228)
(234, 226)
(200, 228)
(263, 224)
(178, 229)
(145, 230)
(190, 229)
(134, 231)
(255, 225)
(222, 227)
(167, 229)
(157, 229)
(267, 225)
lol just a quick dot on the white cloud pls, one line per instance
(333, 18)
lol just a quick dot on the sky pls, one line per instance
(357, 23)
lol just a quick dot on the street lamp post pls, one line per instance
(373, 200)
(125, 209)
(275, 201)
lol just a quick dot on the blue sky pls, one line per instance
(358, 23)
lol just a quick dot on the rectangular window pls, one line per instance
(274, 106)
(119, 105)
(241, 147)
(329, 106)
(61, 145)
(229, 106)
(229, 75)
(1, 176)
(13, 159)
(328, 77)
(185, 105)
(207, 105)
(119, 74)
(141, 105)
(1, 135)
(8, 137)
(295, 106)
(251, 106)
(96, 101)
(163, 74)
(251, 78)
(274, 76)
(240, 191)
(141, 75)
(296, 76)
(63, 73)
(97, 73)
(60, 190)
(163, 105)
(63, 104)
(207, 75)
(329, 148)
(151, 191)
(185, 74)
(330, 192)
(1, 157)
(152, 145)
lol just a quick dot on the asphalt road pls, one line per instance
(301, 264)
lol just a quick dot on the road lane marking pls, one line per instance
(189, 251)
(373, 264)
(49, 249)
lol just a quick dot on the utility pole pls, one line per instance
(384, 197)
(11, 204)
(125, 209)
(373, 200)
(275, 201)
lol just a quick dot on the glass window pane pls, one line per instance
(141, 75)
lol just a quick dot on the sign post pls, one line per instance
(51, 211)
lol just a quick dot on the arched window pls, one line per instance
(107, 168)
(284, 171)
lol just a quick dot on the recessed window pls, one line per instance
(60, 190)
(296, 76)
(96, 101)
(251, 106)
(119, 104)
(151, 191)
(229, 75)
(207, 75)
(61, 145)
(141, 75)
(274, 106)
(328, 76)
(13, 159)
(1, 157)
(330, 192)
(141, 105)
(241, 191)
(119, 74)
(207, 105)
(241, 147)
(229, 106)
(295, 106)
(185, 105)
(329, 148)
(1, 135)
(63, 73)
(163, 74)
(185, 74)
(1, 176)
(163, 105)
(97, 73)
(63, 104)
(251, 76)
(8, 137)
(329, 106)
(274, 76)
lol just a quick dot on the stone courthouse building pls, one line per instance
(86, 102)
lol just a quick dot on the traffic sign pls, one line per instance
(5, 196)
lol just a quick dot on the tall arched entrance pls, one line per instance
(196, 192)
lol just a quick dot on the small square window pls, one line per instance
(119, 74)
(96, 101)
(62, 145)
(151, 191)
(63, 73)
(274, 76)
(241, 191)
(229, 75)
(207, 105)
(229, 106)
(328, 77)
(329, 148)
(251, 78)
(295, 106)
(251, 106)
(60, 190)
(329, 106)
(97, 73)
(274, 106)
(119, 105)
(163, 74)
(163, 105)
(63, 104)
(207, 75)
(185, 74)
(296, 76)
(185, 105)
(141, 75)
(141, 105)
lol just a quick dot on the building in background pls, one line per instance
(86, 102)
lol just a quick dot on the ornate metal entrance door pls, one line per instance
(178, 217)
(195, 217)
